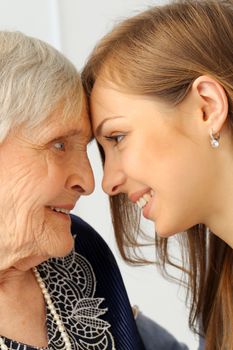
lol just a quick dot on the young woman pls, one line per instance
(161, 95)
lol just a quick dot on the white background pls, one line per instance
(73, 27)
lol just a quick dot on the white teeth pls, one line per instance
(147, 197)
(141, 202)
(61, 210)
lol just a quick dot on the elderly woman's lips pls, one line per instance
(61, 212)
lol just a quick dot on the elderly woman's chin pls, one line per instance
(57, 240)
(52, 243)
(61, 245)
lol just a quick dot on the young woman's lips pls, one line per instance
(146, 211)
(134, 197)
(144, 196)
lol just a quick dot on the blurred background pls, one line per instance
(73, 27)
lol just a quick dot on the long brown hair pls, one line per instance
(160, 52)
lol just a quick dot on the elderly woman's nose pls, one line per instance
(113, 180)
(82, 179)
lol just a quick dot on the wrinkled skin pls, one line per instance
(39, 168)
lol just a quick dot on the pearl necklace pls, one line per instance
(53, 311)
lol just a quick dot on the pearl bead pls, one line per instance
(56, 317)
(53, 311)
(215, 143)
(61, 328)
(65, 337)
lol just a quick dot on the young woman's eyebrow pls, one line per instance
(98, 130)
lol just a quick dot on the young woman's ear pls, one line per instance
(215, 102)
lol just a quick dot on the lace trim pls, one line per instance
(71, 283)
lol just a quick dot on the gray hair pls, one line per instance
(34, 79)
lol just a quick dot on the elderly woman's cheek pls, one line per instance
(17, 210)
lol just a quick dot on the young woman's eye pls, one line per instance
(60, 146)
(115, 138)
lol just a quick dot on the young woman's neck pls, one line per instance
(223, 227)
(220, 220)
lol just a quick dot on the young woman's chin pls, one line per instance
(165, 232)
(166, 228)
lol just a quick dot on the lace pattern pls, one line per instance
(72, 284)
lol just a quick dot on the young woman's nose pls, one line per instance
(113, 179)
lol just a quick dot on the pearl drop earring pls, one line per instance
(214, 139)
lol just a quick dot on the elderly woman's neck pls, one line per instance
(23, 264)
(13, 279)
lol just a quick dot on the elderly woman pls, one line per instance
(51, 283)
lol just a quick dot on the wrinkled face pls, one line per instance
(157, 154)
(43, 173)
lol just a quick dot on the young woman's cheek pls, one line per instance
(133, 160)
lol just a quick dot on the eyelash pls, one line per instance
(115, 138)
(60, 149)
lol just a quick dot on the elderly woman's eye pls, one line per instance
(60, 146)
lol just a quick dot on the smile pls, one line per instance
(143, 200)
(60, 210)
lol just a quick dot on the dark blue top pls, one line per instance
(111, 287)
(88, 293)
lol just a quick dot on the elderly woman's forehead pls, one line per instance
(78, 115)
(56, 125)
